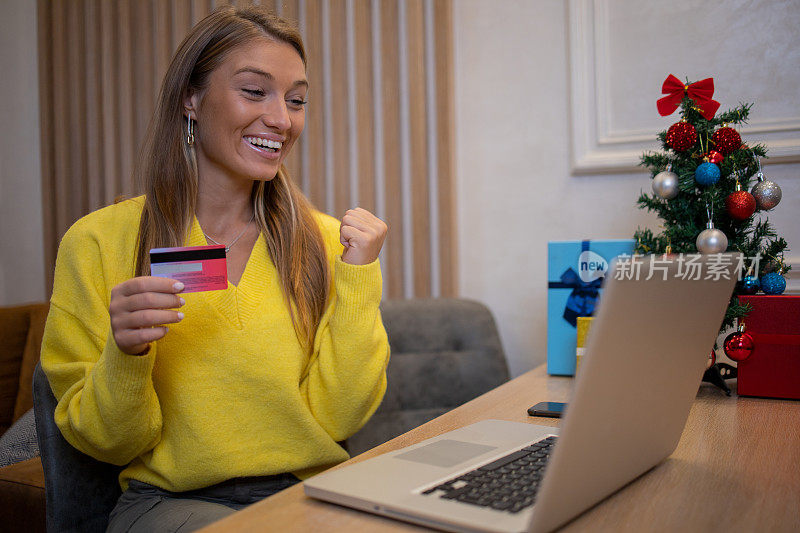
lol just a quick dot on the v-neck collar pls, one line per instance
(239, 303)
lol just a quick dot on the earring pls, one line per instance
(190, 129)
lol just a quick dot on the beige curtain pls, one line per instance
(378, 125)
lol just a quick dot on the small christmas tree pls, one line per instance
(700, 185)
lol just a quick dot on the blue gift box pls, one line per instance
(575, 271)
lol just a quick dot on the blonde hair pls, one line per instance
(167, 169)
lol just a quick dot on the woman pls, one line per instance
(216, 399)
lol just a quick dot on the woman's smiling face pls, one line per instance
(251, 111)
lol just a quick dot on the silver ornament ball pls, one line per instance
(711, 241)
(767, 194)
(665, 185)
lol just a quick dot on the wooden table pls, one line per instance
(737, 468)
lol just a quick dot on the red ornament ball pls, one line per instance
(740, 205)
(726, 140)
(714, 157)
(681, 136)
(739, 345)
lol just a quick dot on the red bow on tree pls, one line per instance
(699, 91)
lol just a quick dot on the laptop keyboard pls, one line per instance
(507, 484)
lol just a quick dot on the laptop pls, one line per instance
(645, 356)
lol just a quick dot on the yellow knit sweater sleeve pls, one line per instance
(346, 377)
(107, 406)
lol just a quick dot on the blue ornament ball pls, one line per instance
(773, 283)
(707, 174)
(749, 285)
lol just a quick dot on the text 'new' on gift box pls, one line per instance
(575, 271)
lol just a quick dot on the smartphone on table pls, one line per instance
(551, 409)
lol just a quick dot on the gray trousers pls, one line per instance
(148, 509)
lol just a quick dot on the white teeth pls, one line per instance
(258, 141)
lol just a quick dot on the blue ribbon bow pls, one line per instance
(582, 299)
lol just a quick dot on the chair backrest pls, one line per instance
(80, 491)
(445, 352)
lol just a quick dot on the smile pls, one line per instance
(264, 144)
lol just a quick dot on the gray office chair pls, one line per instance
(445, 352)
(80, 491)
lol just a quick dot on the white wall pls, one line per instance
(513, 144)
(21, 251)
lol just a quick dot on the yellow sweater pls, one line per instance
(228, 392)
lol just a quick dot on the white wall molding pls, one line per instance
(596, 146)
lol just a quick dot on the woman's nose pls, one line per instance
(277, 115)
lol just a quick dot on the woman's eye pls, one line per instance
(254, 92)
(297, 102)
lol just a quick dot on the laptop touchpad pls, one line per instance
(445, 453)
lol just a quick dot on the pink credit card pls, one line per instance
(200, 268)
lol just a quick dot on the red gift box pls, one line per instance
(773, 368)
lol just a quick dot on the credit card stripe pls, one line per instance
(160, 269)
(187, 255)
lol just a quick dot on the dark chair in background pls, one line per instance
(80, 491)
(445, 352)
